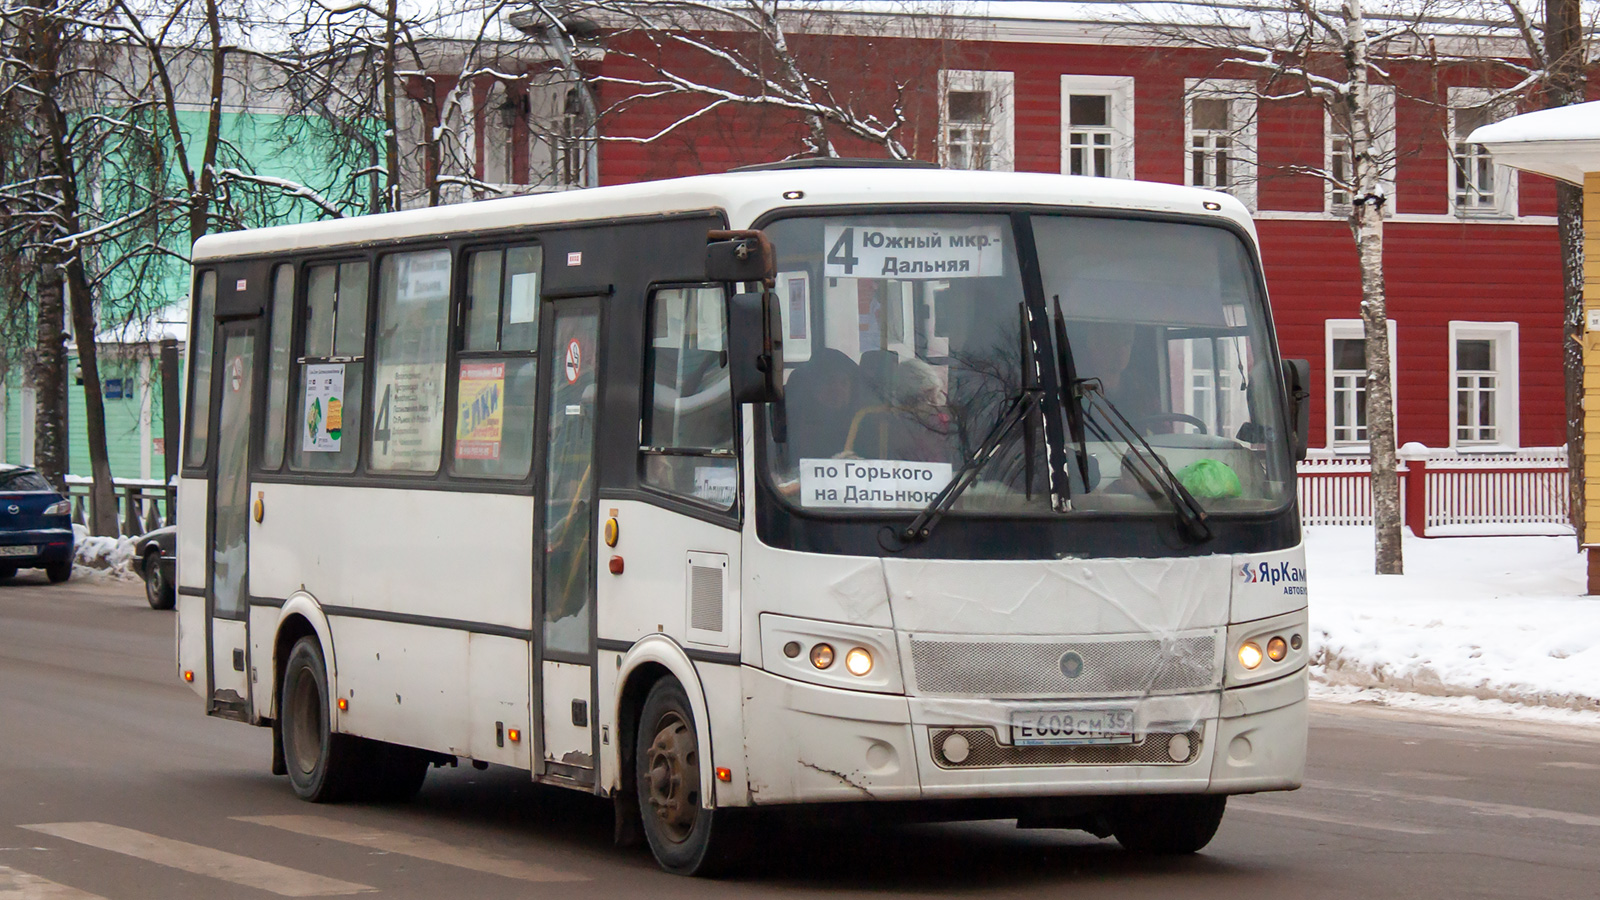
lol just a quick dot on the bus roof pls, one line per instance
(744, 196)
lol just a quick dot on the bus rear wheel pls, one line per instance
(322, 763)
(1168, 825)
(686, 837)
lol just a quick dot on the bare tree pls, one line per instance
(1353, 60)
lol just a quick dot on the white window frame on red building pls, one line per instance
(1240, 137)
(1116, 135)
(1382, 122)
(1477, 159)
(1353, 329)
(998, 131)
(1501, 378)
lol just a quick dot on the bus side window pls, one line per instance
(408, 362)
(205, 314)
(688, 433)
(495, 373)
(331, 369)
(279, 354)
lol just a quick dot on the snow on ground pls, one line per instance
(101, 557)
(1477, 624)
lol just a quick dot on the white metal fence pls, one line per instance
(1445, 492)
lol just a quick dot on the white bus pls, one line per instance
(949, 493)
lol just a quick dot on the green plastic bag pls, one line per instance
(1211, 479)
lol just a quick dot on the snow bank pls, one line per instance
(94, 555)
(1497, 619)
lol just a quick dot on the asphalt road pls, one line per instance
(113, 784)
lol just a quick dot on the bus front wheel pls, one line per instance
(1169, 825)
(322, 763)
(686, 837)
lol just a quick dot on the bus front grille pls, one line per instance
(983, 751)
(1116, 667)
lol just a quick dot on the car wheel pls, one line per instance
(686, 838)
(59, 571)
(1169, 825)
(157, 592)
(324, 766)
(7, 570)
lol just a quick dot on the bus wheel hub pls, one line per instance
(674, 777)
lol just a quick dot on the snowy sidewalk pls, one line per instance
(1497, 619)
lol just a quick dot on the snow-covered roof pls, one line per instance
(171, 322)
(745, 196)
(1563, 142)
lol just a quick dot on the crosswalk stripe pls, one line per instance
(199, 860)
(17, 885)
(413, 845)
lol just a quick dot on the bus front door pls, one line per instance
(228, 607)
(565, 675)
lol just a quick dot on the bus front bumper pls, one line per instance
(808, 744)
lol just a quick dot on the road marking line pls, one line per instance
(15, 885)
(1484, 807)
(1570, 765)
(200, 860)
(1250, 806)
(413, 845)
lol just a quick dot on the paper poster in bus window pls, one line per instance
(794, 299)
(324, 411)
(409, 422)
(716, 484)
(480, 410)
(522, 305)
(871, 483)
(912, 252)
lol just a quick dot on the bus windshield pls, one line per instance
(905, 341)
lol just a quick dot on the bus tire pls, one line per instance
(323, 766)
(685, 837)
(1168, 825)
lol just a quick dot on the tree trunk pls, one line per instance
(103, 495)
(50, 376)
(80, 302)
(1565, 56)
(1367, 222)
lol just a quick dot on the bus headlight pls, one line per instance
(1250, 655)
(858, 661)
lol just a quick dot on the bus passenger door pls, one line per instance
(229, 603)
(565, 613)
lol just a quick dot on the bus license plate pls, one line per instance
(1083, 725)
(18, 550)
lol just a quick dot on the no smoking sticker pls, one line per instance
(574, 362)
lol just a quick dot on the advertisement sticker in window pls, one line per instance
(324, 412)
(480, 410)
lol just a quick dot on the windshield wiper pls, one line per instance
(1070, 393)
(1191, 515)
(1017, 410)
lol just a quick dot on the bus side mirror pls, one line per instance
(755, 348)
(1297, 387)
(740, 256)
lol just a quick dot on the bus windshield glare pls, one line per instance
(905, 340)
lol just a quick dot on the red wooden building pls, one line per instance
(1472, 259)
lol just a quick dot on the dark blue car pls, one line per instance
(35, 525)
